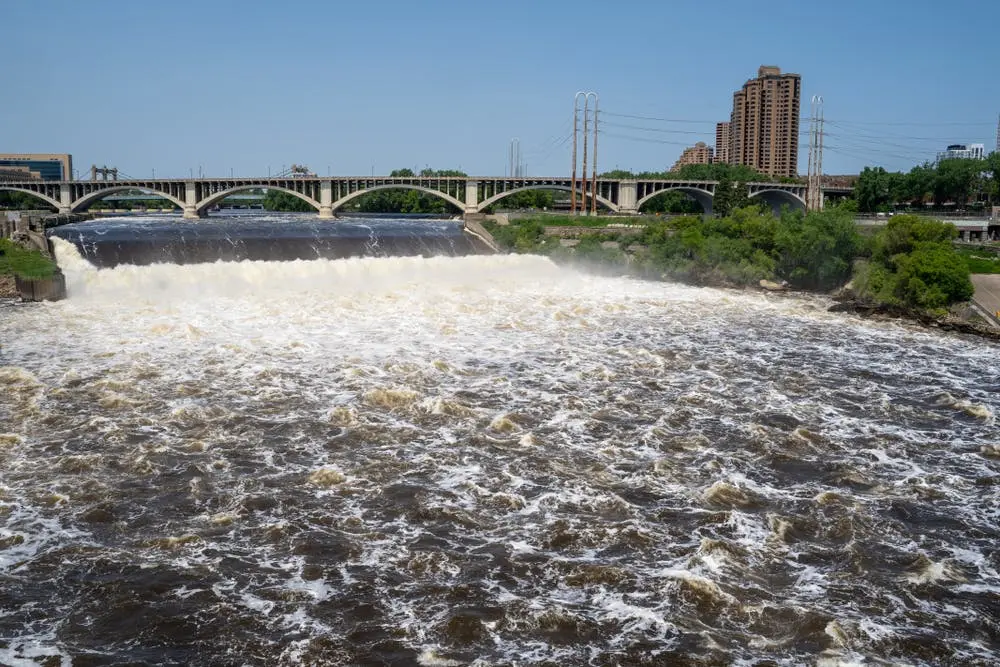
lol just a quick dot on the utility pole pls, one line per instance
(586, 118)
(998, 133)
(814, 194)
(514, 158)
(576, 114)
(572, 189)
(593, 191)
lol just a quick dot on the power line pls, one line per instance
(653, 118)
(651, 129)
(646, 140)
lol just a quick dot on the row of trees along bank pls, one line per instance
(965, 183)
(909, 264)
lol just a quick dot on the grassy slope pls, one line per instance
(980, 261)
(15, 260)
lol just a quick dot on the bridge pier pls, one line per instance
(471, 197)
(627, 198)
(65, 199)
(326, 200)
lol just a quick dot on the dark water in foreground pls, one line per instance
(486, 460)
(108, 242)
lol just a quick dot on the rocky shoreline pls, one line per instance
(8, 288)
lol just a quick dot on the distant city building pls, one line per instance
(18, 174)
(700, 153)
(49, 166)
(722, 142)
(764, 124)
(963, 152)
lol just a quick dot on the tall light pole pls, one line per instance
(576, 113)
(593, 191)
(814, 189)
(572, 190)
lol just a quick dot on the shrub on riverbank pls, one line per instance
(808, 251)
(28, 264)
(914, 265)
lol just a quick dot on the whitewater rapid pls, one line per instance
(486, 460)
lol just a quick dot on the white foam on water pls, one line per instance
(506, 416)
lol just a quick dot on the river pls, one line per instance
(486, 460)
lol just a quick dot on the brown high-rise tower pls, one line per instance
(764, 126)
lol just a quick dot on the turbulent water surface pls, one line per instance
(486, 461)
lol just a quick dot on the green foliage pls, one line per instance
(15, 260)
(915, 265)
(872, 189)
(525, 236)
(406, 200)
(957, 181)
(980, 261)
(673, 201)
(903, 233)
(700, 172)
(729, 196)
(22, 201)
(812, 251)
(278, 200)
(527, 199)
(816, 250)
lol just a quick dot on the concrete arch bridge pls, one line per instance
(468, 194)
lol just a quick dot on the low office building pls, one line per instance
(963, 152)
(49, 166)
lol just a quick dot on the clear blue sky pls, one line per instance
(350, 86)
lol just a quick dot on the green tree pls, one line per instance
(992, 166)
(816, 250)
(915, 265)
(954, 180)
(722, 202)
(872, 189)
(673, 201)
(278, 200)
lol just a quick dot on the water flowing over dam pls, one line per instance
(108, 242)
(484, 460)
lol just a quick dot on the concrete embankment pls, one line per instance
(987, 296)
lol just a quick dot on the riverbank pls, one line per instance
(908, 269)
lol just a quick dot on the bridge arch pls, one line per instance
(777, 198)
(48, 200)
(460, 205)
(703, 197)
(497, 197)
(83, 202)
(215, 198)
